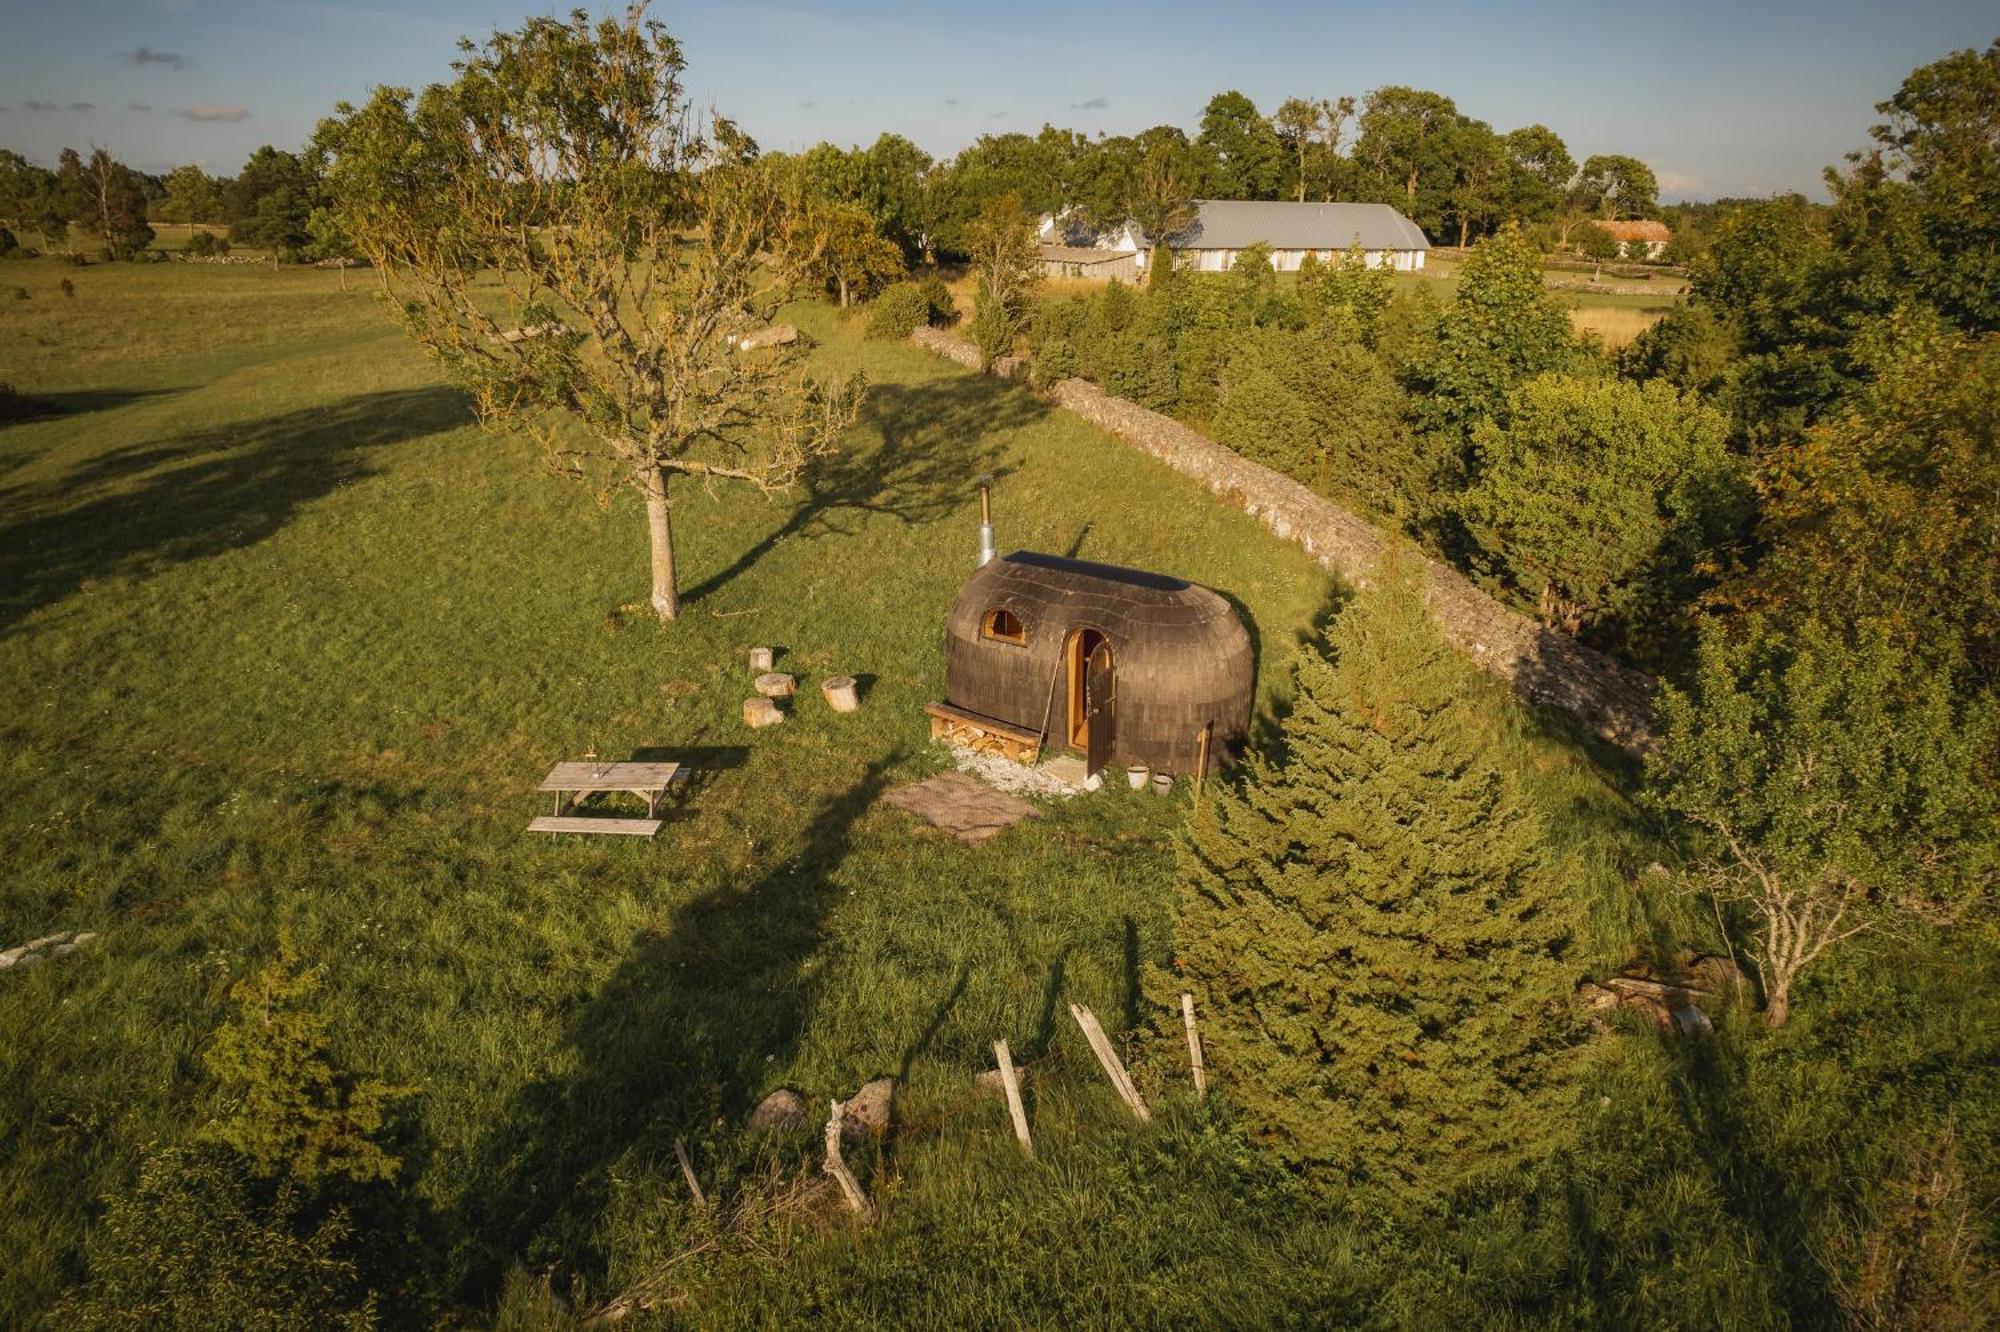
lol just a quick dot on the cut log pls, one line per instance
(776, 684)
(842, 694)
(761, 712)
(778, 335)
(761, 659)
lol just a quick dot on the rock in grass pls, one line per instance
(761, 712)
(867, 1112)
(990, 1080)
(782, 1109)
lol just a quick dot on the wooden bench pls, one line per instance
(987, 735)
(621, 827)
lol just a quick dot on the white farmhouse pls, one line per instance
(1224, 228)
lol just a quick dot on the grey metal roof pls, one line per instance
(1236, 224)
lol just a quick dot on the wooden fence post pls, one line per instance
(1121, 1082)
(1194, 1048)
(1013, 1089)
(687, 1169)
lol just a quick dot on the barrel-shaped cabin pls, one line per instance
(1044, 653)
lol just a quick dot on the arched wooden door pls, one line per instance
(1093, 698)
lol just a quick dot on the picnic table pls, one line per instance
(580, 779)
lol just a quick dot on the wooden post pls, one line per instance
(850, 1187)
(687, 1169)
(1201, 764)
(1194, 1048)
(1013, 1088)
(1114, 1069)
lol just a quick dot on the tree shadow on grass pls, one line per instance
(681, 1036)
(936, 440)
(137, 509)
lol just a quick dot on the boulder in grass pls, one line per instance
(776, 684)
(866, 1114)
(782, 1109)
(761, 712)
(991, 1081)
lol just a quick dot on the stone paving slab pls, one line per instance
(966, 808)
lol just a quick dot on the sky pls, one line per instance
(1721, 99)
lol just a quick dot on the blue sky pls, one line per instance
(1721, 98)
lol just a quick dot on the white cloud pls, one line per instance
(205, 111)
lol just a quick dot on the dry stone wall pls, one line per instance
(1542, 664)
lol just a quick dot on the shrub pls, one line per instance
(1055, 361)
(1373, 927)
(68, 287)
(992, 332)
(205, 244)
(197, 1244)
(898, 312)
(937, 297)
(1602, 498)
(1594, 242)
(21, 294)
(8, 245)
(287, 1107)
(76, 259)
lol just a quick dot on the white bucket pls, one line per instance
(1137, 776)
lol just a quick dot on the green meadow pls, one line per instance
(288, 640)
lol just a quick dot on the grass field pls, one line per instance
(288, 641)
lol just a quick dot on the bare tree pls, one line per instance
(553, 227)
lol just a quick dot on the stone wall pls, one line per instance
(1542, 664)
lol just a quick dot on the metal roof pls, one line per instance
(1079, 254)
(1237, 224)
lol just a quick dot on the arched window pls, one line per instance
(1003, 626)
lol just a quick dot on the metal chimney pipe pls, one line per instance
(986, 548)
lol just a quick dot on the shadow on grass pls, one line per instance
(132, 510)
(681, 1036)
(936, 440)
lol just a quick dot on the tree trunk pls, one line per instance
(1464, 230)
(843, 292)
(1777, 1004)
(660, 528)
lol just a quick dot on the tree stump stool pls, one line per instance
(841, 693)
(776, 684)
(761, 712)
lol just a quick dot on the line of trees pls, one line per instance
(1455, 176)
(274, 202)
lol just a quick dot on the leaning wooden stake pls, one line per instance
(850, 1187)
(687, 1169)
(1012, 1086)
(1121, 1082)
(1194, 1048)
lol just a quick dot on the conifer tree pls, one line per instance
(1371, 925)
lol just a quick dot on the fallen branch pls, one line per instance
(835, 1165)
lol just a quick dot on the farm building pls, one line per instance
(1123, 666)
(1224, 228)
(1086, 261)
(1654, 234)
